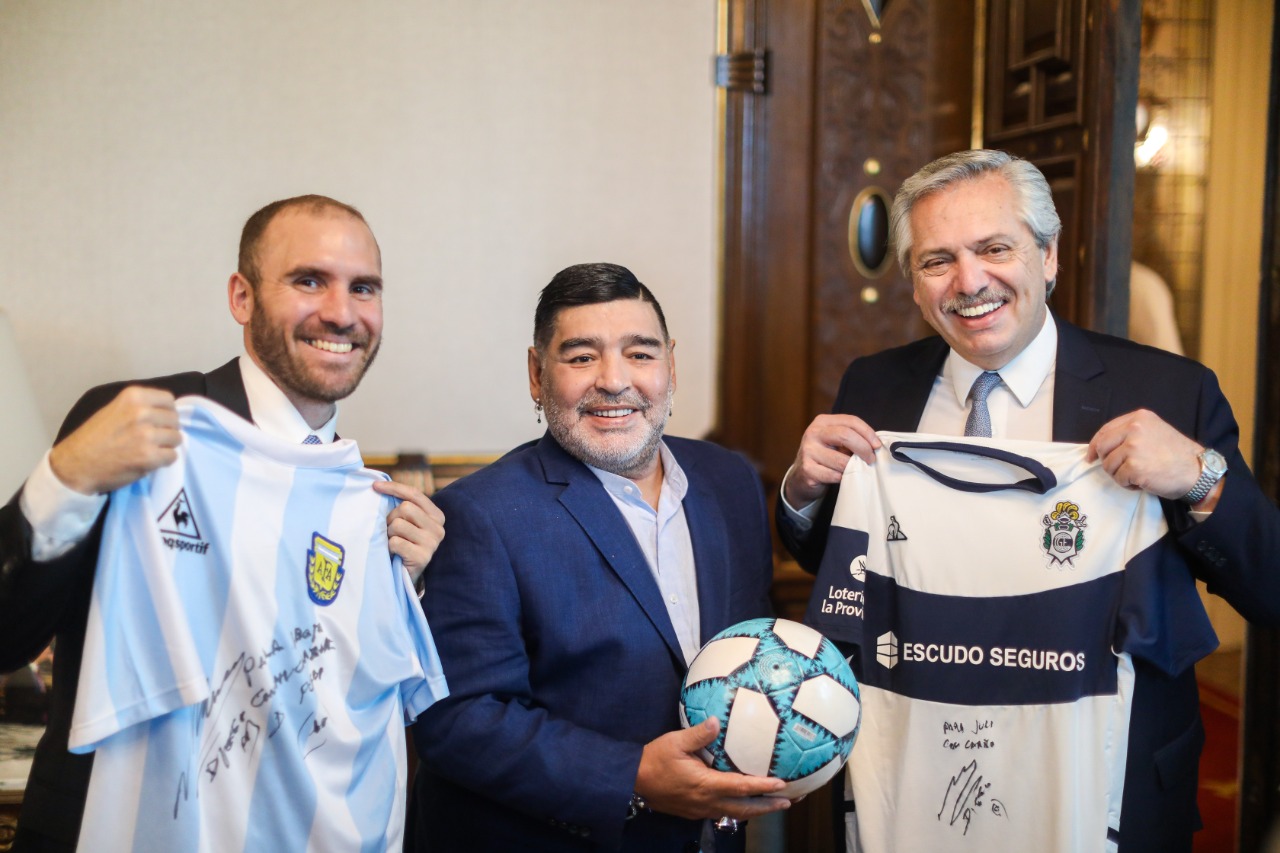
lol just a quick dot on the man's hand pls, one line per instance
(131, 436)
(673, 779)
(824, 452)
(1140, 451)
(414, 528)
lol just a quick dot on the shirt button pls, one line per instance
(674, 599)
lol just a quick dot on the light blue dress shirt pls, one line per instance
(663, 536)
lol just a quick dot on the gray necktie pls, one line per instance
(315, 439)
(979, 422)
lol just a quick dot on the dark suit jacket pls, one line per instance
(561, 659)
(44, 601)
(1236, 550)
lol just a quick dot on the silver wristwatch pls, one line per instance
(1212, 467)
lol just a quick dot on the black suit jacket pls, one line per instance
(40, 602)
(1235, 551)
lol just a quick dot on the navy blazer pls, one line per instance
(561, 659)
(43, 601)
(1235, 551)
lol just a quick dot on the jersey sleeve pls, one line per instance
(424, 682)
(140, 660)
(839, 591)
(418, 694)
(1161, 618)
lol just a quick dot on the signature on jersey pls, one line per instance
(253, 683)
(968, 796)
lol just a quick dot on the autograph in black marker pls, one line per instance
(967, 796)
(221, 742)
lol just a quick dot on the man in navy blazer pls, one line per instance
(581, 573)
(976, 232)
(308, 293)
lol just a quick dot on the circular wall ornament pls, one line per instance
(869, 232)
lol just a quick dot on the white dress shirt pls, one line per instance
(663, 536)
(1021, 405)
(60, 516)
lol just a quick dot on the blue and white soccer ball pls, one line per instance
(786, 699)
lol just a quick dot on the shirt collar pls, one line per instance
(1023, 376)
(675, 484)
(273, 412)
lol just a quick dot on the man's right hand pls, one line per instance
(674, 780)
(134, 434)
(824, 452)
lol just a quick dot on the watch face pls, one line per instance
(1214, 461)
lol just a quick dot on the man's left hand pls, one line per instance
(414, 528)
(1141, 451)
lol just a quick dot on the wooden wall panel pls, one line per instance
(888, 100)
(850, 102)
(1061, 91)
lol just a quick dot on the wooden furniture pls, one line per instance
(10, 806)
(17, 743)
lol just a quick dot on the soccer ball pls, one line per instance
(786, 699)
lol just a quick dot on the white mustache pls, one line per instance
(612, 401)
(987, 294)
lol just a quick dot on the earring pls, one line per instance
(537, 409)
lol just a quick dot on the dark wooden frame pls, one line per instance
(1260, 729)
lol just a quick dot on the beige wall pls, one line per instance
(489, 142)
(1233, 223)
(1233, 215)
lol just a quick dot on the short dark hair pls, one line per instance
(587, 284)
(256, 226)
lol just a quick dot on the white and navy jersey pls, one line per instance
(995, 595)
(252, 653)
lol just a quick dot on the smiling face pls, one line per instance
(979, 278)
(313, 323)
(606, 380)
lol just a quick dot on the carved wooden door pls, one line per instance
(828, 105)
(1062, 91)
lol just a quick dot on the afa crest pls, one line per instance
(1063, 533)
(324, 570)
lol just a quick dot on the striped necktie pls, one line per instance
(979, 422)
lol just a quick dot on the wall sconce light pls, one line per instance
(1153, 133)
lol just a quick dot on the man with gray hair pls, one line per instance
(977, 234)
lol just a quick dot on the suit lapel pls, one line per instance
(225, 387)
(905, 407)
(587, 501)
(1081, 394)
(707, 531)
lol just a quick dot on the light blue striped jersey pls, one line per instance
(252, 653)
(998, 593)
